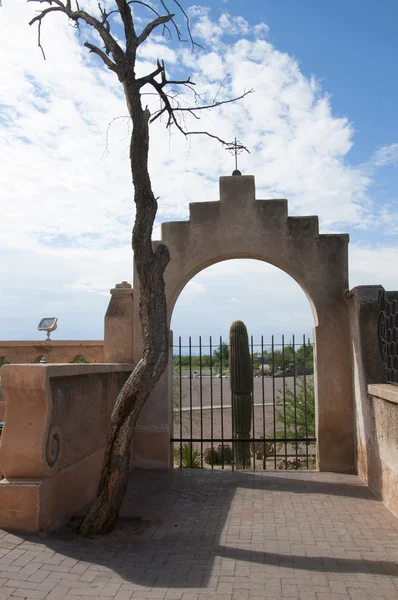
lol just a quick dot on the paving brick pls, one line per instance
(22, 593)
(219, 536)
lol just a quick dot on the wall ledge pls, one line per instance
(385, 391)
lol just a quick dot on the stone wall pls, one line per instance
(26, 352)
(376, 403)
(382, 444)
(51, 449)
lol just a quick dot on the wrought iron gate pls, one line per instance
(283, 411)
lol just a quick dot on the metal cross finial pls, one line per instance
(236, 148)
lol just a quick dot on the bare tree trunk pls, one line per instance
(153, 315)
(150, 264)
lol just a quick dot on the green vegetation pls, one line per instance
(223, 455)
(188, 456)
(195, 362)
(221, 357)
(281, 360)
(262, 450)
(80, 359)
(4, 361)
(299, 416)
(241, 377)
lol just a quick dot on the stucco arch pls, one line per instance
(239, 226)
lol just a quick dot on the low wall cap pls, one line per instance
(123, 285)
(122, 289)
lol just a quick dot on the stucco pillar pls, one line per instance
(368, 367)
(152, 448)
(335, 428)
(118, 326)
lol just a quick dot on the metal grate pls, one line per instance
(282, 433)
(388, 334)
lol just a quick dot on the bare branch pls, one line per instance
(102, 28)
(148, 78)
(39, 20)
(39, 40)
(158, 114)
(214, 104)
(211, 135)
(152, 25)
(106, 151)
(128, 22)
(153, 10)
(193, 43)
(109, 63)
(171, 106)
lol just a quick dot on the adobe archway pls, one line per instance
(239, 226)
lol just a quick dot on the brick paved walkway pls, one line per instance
(210, 535)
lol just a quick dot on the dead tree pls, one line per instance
(150, 262)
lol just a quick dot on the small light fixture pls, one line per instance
(48, 324)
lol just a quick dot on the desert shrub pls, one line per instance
(300, 415)
(188, 456)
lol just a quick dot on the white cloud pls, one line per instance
(373, 265)
(385, 156)
(211, 31)
(67, 203)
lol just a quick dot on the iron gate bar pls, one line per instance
(254, 434)
(263, 398)
(201, 400)
(284, 391)
(285, 443)
(271, 439)
(222, 407)
(211, 403)
(295, 394)
(305, 399)
(273, 393)
(180, 369)
(190, 397)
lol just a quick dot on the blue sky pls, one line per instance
(322, 124)
(352, 48)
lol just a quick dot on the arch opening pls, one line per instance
(283, 405)
(265, 268)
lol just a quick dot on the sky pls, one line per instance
(321, 129)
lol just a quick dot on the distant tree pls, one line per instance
(4, 361)
(80, 359)
(305, 356)
(289, 357)
(221, 356)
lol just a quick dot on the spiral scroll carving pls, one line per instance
(54, 445)
(388, 334)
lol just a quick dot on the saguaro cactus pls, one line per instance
(241, 377)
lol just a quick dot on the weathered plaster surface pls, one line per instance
(382, 444)
(376, 410)
(118, 337)
(53, 351)
(51, 449)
